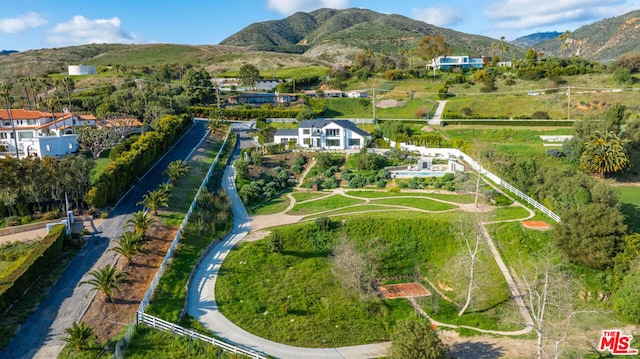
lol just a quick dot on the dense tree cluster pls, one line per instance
(34, 185)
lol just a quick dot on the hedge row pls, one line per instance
(123, 171)
(39, 261)
(499, 122)
(240, 113)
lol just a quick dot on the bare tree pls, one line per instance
(472, 245)
(349, 266)
(550, 296)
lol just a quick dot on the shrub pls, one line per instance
(540, 115)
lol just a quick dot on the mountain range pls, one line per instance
(328, 36)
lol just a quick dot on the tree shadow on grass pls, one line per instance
(475, 350)
(631, 214)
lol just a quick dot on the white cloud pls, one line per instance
(288, 7)
(443, 16)
(528, 14)
(22, 22)
(81, 30)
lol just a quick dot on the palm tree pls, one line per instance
(154, 200)
(5, 87)
(177, 169)
(140, 221)
(604, 153)
(80, 335)
(130, 244)
(106, 280)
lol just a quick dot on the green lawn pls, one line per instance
(507, 213)
(419, 203)
(101, 163)
(461, 198)
(629, 194)
(294, 297)
(324, 204)
(271, 206)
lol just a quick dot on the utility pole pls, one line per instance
(569, 102)
(373, 101)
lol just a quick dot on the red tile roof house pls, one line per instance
(40, 133)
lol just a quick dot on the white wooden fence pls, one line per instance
(165, 326)
(455, 153)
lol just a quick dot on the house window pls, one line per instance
(3, 135)
(6, 123)
(333, 132)
(48, 148)
(284, 140)
(306, 131)
(70, 145)
(354, 142)
(23, 135)
(306, 141)
(333, 143)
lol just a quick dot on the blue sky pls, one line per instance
(36, 24)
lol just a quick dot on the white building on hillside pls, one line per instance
(325, 134)
(40, 133)
(82, 70)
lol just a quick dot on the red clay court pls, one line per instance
(540, 225)
(404, 290)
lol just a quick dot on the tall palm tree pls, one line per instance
(129, 245)
(604, 153)
(106, 280)
(177, 169)
(5, 87)
(140, 221)
(25, 86)
(80, 335)
(154, 200)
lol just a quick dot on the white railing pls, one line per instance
(455, 153)
(165, 326)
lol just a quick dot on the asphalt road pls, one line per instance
(155, 175)
(41, 334)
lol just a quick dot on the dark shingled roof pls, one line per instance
(286, 132)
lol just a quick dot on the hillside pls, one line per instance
(337, 35)
(137, 58)
(533, 39)
(603, 41)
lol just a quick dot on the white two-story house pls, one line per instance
(40, 133)
(325, 134)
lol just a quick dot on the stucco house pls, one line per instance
(463, 62)
(40, 133)
(325, 134)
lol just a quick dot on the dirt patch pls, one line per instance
(404, 290)
(110, 318)
(539, 225)
(390, 103)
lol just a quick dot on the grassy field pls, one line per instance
(629, 194)
(324, 204)
(419, 203)
(294, 297)
(271, 206)
(101, 163)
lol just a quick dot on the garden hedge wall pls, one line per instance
(39, 261)
(241, 113)
(124, 170)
